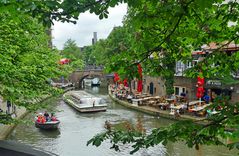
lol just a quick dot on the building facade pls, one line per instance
(213, 87)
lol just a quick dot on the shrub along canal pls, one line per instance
(77, 128)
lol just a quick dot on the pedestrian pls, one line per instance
(206, 98)
(9, 107)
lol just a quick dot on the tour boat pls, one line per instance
(95, 82)
(84, 102)
(49, 125)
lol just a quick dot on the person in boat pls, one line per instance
(41, 118)
(53, 118)
(46, 115)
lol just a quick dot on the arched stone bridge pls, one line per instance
(78, 76)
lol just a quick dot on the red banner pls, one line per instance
(116, 77)
(125, 83)
(200, 89)
(140, 82)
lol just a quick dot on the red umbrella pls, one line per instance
(64, 61)
(140, 82)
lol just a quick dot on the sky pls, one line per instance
(82, 32)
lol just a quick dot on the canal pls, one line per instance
(76, 129)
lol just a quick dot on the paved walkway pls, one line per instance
(19, 113)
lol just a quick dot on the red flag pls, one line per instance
(116, 77)
(125, 83)
(200, 89)
(140, 82)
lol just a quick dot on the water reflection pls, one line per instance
(95, 90)
(49, 133)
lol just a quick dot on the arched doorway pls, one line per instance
(151, 88)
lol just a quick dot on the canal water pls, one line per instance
(77, 128)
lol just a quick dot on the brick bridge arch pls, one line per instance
(78, 76)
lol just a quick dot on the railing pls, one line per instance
(93, 67)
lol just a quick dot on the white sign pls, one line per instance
(214, 82)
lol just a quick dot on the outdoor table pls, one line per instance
(148, 98)
(129, 98)
(136, 101)
(176, 107)
(157, 97)
(170, 100)
(197, 109)
(195, 102)
(163, 106)
(151, 102)
(214, 112)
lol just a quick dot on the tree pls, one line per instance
(98, 52)
(73, 52)
(170, 31)
(26, 61)
(65, 10)
(87, 55)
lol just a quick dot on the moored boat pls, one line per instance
(95, 82)
(84, 102)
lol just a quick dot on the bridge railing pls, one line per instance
(93, 67)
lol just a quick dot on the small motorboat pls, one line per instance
(49, 125)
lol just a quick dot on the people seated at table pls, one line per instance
(173, 96)
(183, 94)
(206, 98)
(129, 97)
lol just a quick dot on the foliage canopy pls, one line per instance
(169, 29)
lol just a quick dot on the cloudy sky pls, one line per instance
(82, 32)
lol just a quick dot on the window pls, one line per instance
(176, 90)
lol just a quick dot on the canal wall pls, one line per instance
(5, 130)
(157, 112)
(21, 112)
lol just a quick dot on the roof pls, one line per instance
(225, 45)
(198, 52)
